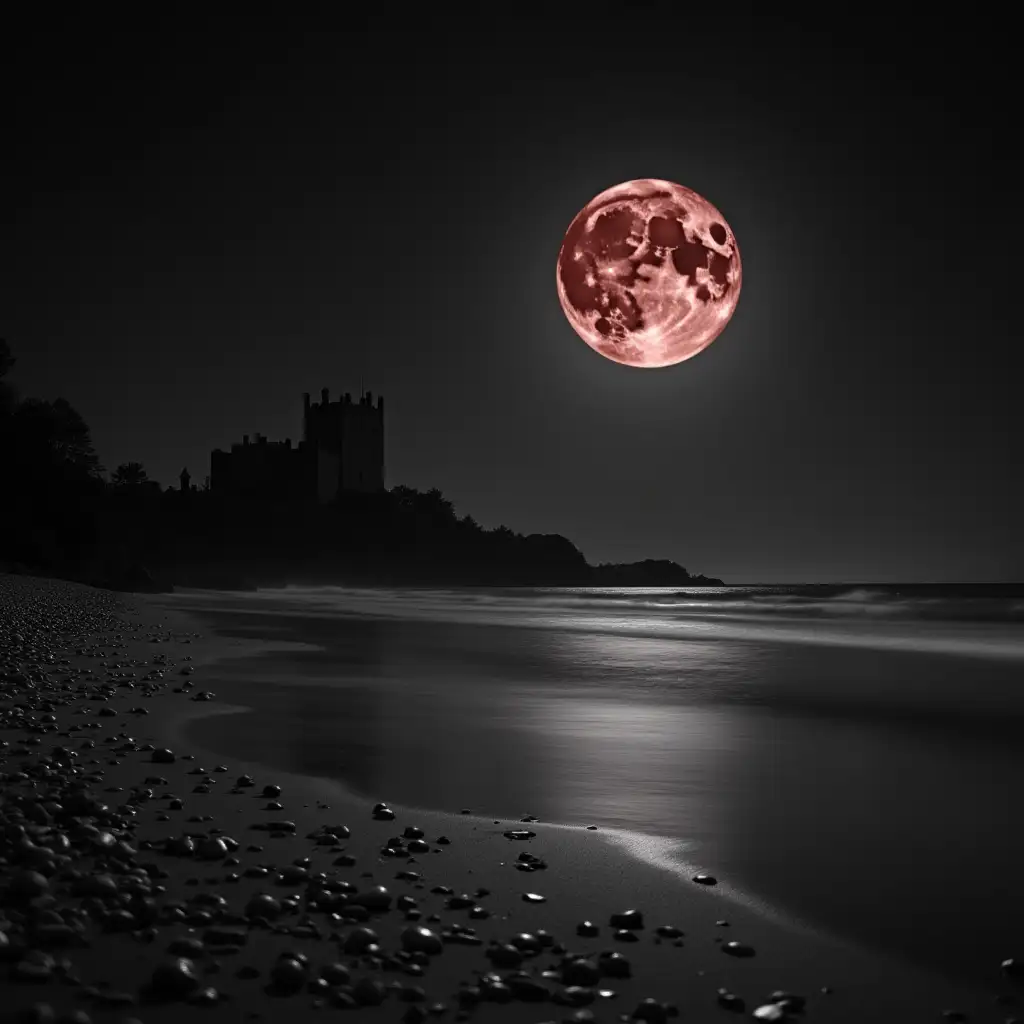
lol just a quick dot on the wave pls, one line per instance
(918, 619)
(805, 602)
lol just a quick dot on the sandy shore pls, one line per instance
(120, 862)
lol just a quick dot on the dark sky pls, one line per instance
(208, 220)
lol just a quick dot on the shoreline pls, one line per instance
(587, 876)
(663, 854)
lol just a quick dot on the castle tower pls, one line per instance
(348, 438)
(185, 479)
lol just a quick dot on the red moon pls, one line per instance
(649, 273)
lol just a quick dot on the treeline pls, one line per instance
(63, 515)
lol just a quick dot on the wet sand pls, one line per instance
(118, 860)
(785, 767)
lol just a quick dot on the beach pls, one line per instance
(130, 845)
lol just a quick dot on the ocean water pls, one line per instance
(852, 757)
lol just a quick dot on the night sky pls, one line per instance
(207, 220)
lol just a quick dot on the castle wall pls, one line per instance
(328, 473)
(342, 450)
(261, 470)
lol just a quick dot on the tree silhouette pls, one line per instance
(129, 474)
(55, 433)
(436, 507)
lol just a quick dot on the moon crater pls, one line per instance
(649, 273)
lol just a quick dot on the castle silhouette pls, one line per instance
(342, 449)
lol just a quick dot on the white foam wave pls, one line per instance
(659, 613)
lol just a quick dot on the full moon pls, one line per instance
(649, 273)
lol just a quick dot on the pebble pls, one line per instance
(651, 1011)
(770, 1012)
(263, 905)
(730, 1001)
(375, 898)
(1013, 968)
(288, 974)
(417, 939)
(335, 974)
(25, 886)
(577, 995)
(174, 979)
(205, 996)
(528, 862)
(738, 949)
(789, 1001)
(614, 965)
(504, 955)
(703, 879)
(359, 940)
(581, 972)
(631, 919)
(212, 849)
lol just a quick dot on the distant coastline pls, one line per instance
(268, 515)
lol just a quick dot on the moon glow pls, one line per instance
(649, 273)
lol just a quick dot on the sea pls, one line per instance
(850, 757)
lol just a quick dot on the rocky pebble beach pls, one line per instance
(142, 881)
